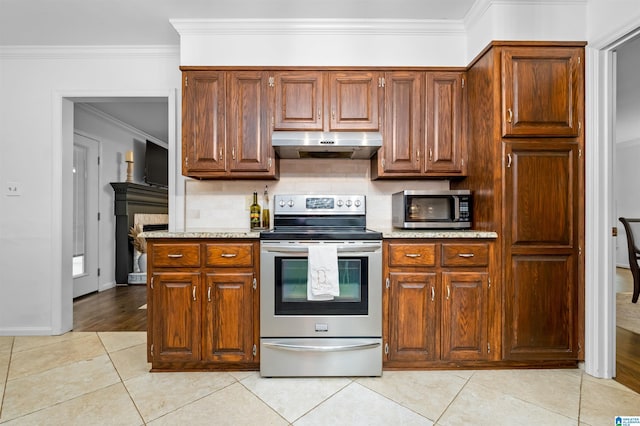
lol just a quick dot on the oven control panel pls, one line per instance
(319, 204)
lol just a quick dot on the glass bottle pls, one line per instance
(254, 212)
(265, 208)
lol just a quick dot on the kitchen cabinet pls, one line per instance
(202, 304)
(423, 126)
(436, 303)
(526, 169)
(542, 94)
(326, 100)
(226, 128)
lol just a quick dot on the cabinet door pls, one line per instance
(248, 130)
(542, 91)
(444, 120)
(354, 100)
(176, 316)
(464, 315)
(228, 313)
(203, 122)
(413, 324)
(541, 232)
(402, 134)
(298, 102)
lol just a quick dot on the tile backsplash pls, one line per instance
(219, 204)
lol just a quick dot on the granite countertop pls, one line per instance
(431, 233)
(204, 233)
(386, 233)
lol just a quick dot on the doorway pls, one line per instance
(86, 211)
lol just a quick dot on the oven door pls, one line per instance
(285, 310)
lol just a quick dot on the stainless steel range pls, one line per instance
(320, 245)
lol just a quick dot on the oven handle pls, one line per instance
(311, 348)
(367, 249)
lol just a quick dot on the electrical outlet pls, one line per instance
(13, 189)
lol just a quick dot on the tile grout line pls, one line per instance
(126, 389)
(580, 396)
(265, 402)
(454, 398)
(6, 376)
(351, 381)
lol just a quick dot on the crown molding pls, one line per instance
(88, 52)
(380, 27)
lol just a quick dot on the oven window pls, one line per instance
(291, 288)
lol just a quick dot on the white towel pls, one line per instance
(322, 279)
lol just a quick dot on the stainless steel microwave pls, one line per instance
(418, 209)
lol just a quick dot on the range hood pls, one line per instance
(351, 145)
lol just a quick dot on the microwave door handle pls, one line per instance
(456, 209)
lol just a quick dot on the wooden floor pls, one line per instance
(627, 342)
(116, 309)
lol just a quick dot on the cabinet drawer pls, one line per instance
(232, 254)
(412, 254)
(176, 255)
(465, 254)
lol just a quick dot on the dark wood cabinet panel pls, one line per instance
(249, 131)
(176, 324)
(402, 128)
(541, 307)
(414, 330)
(444, 123)
(203, 122)
(464, 316)
(542, 92)
(354, 100)
(228, 333)
(299, 100)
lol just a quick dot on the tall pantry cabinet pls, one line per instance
(526, 168)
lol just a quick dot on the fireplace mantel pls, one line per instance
(132, 198)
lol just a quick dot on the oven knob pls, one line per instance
(357, 203)
(290, 203)
(281, 203)
(348, 203)
(339, 203)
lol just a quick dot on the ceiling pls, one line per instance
(146, 22)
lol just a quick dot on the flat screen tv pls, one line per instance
(156, 165)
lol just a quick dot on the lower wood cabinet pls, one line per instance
(436, 303)
(202, 304)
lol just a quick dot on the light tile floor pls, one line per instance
(103, 378)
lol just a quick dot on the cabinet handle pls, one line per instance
(509, 159)
(209, 294)
(433, 294)
(430, 154)
(233, 153)
(509, 115)
(466, 255)
(174, 256)
(221, 153)
(193, 292)
(333, 114)
(413, 255)
(319, 113)
(228, 255)
(448, 292)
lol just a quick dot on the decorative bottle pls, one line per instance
(265, 208)
(254, 212)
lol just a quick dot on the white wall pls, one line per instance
(115, 139)
(33, 83)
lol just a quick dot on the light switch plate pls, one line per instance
(13, 189)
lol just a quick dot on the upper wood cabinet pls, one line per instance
(203, 122)
(298, 100)
(226, 130)
(542, 91)
(445, 147)
(326, 100)
(423, 126)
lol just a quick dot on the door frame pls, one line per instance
(93, 263)
(600, 215)
(62, 199)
